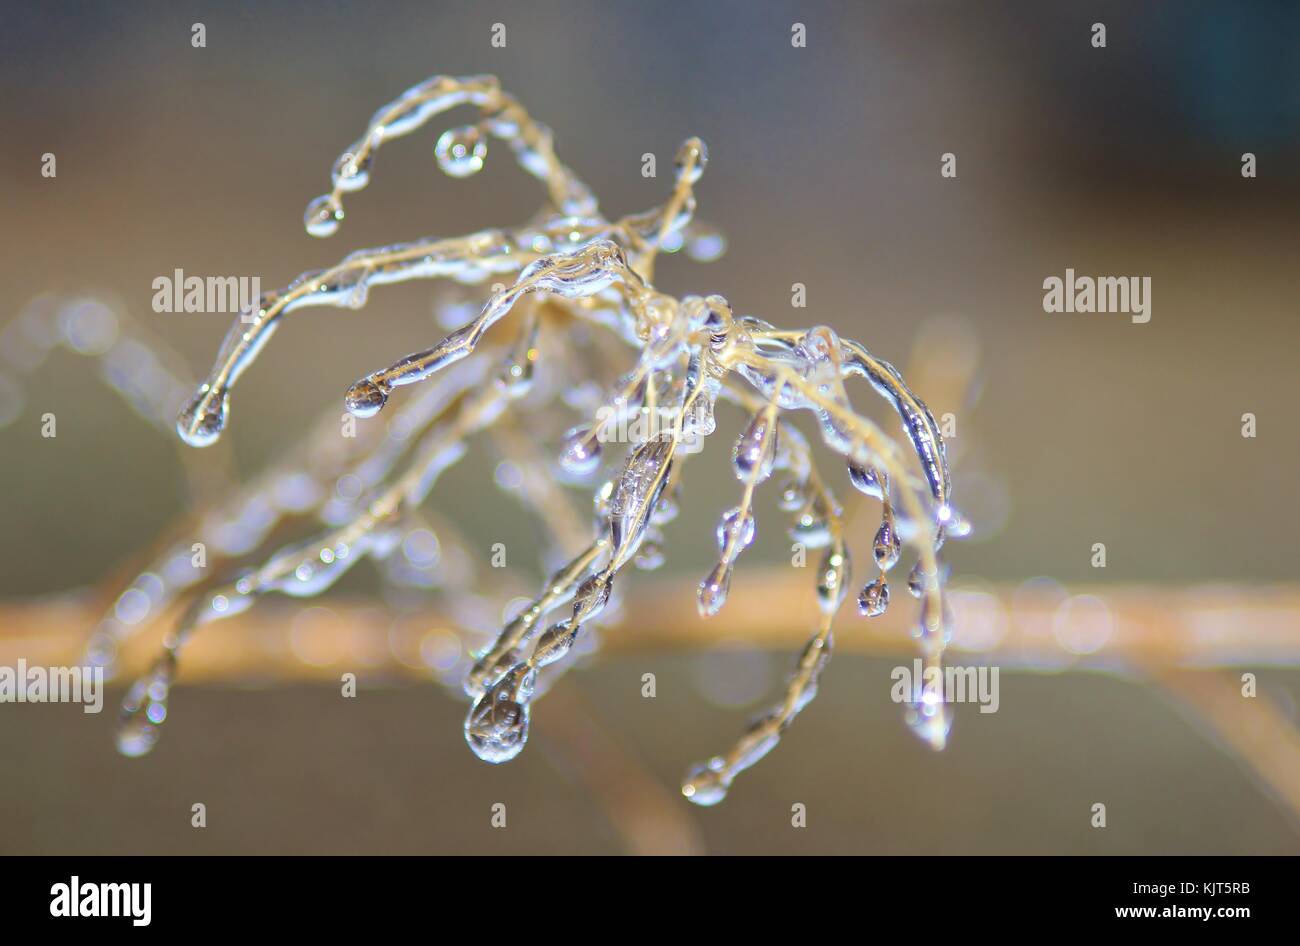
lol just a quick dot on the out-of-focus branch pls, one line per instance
(1255, 729)
(1129, 628)
(1178, 639)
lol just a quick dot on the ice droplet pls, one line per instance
(931, 721)
(874, 599)
(203, 419)
(866, 480)
(580, 453)
(755, 451)
(917, 580)
(322, 216)
(665, 511)
(886, 546)
(811, 530)
(649, 556)
(794, 496)
(366, 398)
(497, 725)
(351, 174)
(736, 528)
(136, 737)
(460, 151)
(692, 158)
(706, 246)
(713, 590)
(705, 783)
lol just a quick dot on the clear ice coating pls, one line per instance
(637, 491)
(520, 360)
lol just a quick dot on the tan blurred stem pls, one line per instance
(1153, 627)
(1255, 730)
(1172, 637)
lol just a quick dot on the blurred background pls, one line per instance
(1072, 429)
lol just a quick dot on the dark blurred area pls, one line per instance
(297, 770)
(824, 170)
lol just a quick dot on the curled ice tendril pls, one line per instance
(572, 267)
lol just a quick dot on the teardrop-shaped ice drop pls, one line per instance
(143, 711)
(366, 398)
(702, 422)
(460, 151)
(136, 736)
(956, 526)
(580, 453)
(917, 580)
(706, 246)
(812, 531)
(497, 725)
(520, 372)
(867, 480)
(886, 546)
(755, 451)
(704, 784)
(931, 721)
(874, 599)
(101, 651)
(665, 511)
(322, 216)
(713, 590)
(497, 731)
(351, 173)
(794, 496)
(649, 556)
(203, 419)
(934, 626)
(735, 529)
(692, 158)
